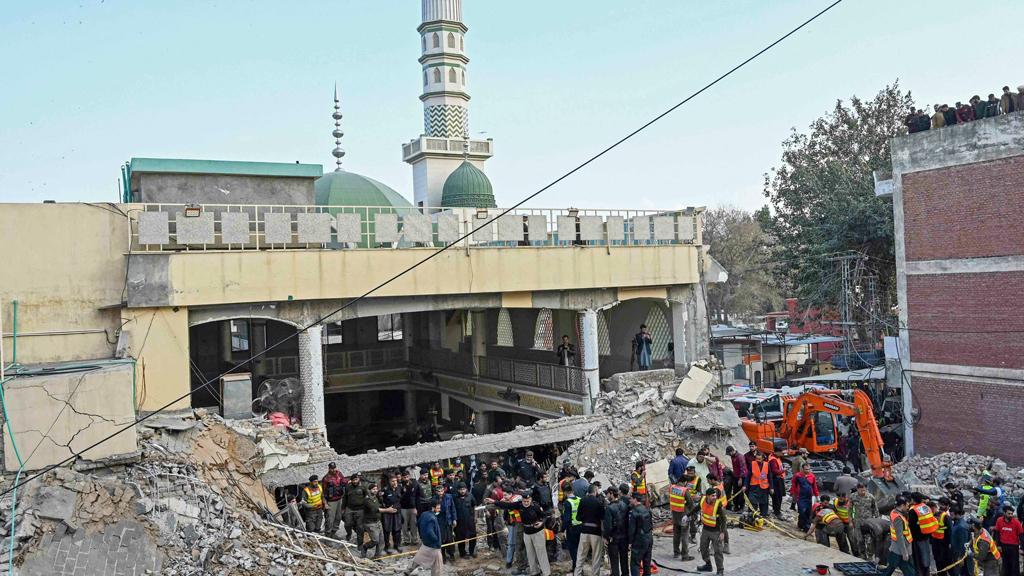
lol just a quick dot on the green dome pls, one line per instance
(341, 188)
(467, 187)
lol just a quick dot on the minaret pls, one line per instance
(442, 146)
(338, 153)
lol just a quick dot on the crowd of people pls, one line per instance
(527, 520)
(919, 120)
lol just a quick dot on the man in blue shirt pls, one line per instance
(677, 467)
(429, 554)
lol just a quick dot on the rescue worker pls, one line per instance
(985, 493)
(863, 507)
(641, 540)
(371, 522)
(313, 504)
(759, 484)
(334, 490)
(717, 484)
(354, 503)
(638, 480)
(572, 525)
(841, 506)
(531, 519)
(901, 541)
(616, 532)
(693, 498)
(436, 473)
(777, 477)
(986, 554)
(391, 518)
(922, 525)
(940, 538)
(677, 503)
(804, 489)
(825, 523)
(712, 535)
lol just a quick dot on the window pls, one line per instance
(657, 325)
(332, 333)
(239, 336)
(452, 76)
(543, 337)
(463, 77)
(389, 327)
(604, 343)
(451, 40)
(437, 40)
(425, 78)
(424, 43)
(437, 74)
(462, 43)
(504, 329)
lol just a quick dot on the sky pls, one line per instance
(89, 84)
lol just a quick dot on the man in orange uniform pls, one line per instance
(759, 484)
(902, 541)
(638, 479)
(712, 535)
(986, 553)
(825, 523)
(777, 477)
(922, 525)
(677, 504)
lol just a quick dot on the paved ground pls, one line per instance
(765, 553)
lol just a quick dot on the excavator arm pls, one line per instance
(801, 413)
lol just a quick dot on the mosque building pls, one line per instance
(375, 320)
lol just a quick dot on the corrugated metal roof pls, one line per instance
(876, 373)
(185, 166)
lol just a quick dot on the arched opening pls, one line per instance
(543, 336)
(463, 77)
(437, 75)
(425, 78)
(424, 43)
(437, 40)
(462, 43)
(452, 76)
(451, 40)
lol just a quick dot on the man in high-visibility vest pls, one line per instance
(716, 483)
(693, 498)
(638, 480)
(843, 509)
(986, 553)
(777, 477)
(826, 523)
(922, 525)
(436, 478)
(759, 484)
(712, 536)
(572, 525)
(940, 538)
(680, 522)
(901, 540)
(313, 504)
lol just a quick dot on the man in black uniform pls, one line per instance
(616, 532)
(465, 521)
(528, 470)
(641, 541)
(391, 522)
(354, 503)
(371, 523)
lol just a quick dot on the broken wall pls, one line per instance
(56, 415)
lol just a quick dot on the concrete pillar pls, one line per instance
(311, 376)
(589, 349)
(407, 330)
(895, 378)
(681, 345)
(435, 329)
(479, 339)
(410, 409)
(483, 422)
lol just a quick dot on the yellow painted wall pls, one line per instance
(158, 339)
(63, 263)
(223, 277)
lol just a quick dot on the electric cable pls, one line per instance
(440, 251)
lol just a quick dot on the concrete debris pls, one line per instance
(640, 421)
(964, 470)
(696, 388)
(56, 503)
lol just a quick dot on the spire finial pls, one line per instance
(338, 153)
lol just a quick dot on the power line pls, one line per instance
(322, 319)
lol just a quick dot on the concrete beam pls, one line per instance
(543, 432)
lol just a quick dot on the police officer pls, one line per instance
(863, 507)
(372, 523)
(354, 503)
(313, 504)
(641, 541)
(678, 504)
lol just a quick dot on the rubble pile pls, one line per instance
(646, 423)
(962, 469)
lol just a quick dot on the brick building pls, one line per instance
(958, 202)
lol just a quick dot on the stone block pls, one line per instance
(485, 233)
(696, 388)
(664, 228)
(277, 228)
(510, 228)
(195, 229)
(566, 229)
(687, 232)
(349, 228)
(55, 503)
(154, 228)
(616, 226)
(591, 228)
(385, 228)
(642, 228)
(234, 228)
(537, 227)
(314, 227)
(447, 228)
(416, 228)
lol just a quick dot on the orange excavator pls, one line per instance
(808, 421)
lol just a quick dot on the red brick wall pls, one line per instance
(972, 417)
(967, 305)
(965, 211)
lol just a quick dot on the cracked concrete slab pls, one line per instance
(53, 416)
(56, 503)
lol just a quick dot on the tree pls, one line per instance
(735, 239)
(823, 200)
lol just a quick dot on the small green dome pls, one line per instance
(341, 188)
(467, 187)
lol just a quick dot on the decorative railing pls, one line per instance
(186, 227)
(343, 362)
(553, 377)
